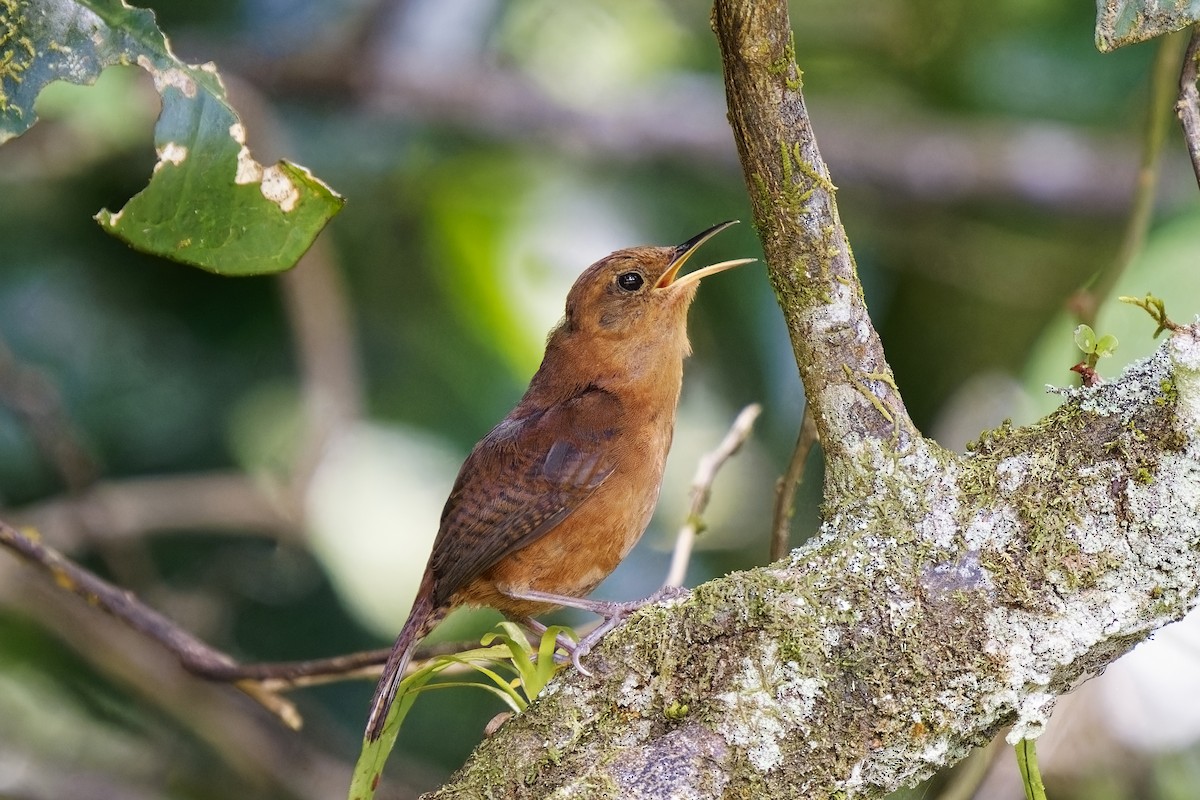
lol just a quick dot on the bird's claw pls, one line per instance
(577, 653)
(613, 615)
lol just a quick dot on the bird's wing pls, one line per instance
(520, 481)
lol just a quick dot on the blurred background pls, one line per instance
(265, 459)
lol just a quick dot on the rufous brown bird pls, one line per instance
(550, 501)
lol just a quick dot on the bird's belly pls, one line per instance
(574, 557)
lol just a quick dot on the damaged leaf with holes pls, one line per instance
(208, 203)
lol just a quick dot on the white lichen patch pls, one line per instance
(939, 524)
(965, 573)
(1012, 472)
(835, 318)
(634, 692)
(935, 752)
(171, 77)
(1033, 712)
(171, 153)
(921, 464)
(1170, 505)
(992, 528)
(1138, 386)
(769, 701)
(1184, 351)
(279, 189)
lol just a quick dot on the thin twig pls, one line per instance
(1188, 107)
(262, 681)
(706, 472)
(123, 605)
(785, 489)
(284, 676)
(1086, 301)
(253, 746)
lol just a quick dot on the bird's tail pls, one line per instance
(420, 621)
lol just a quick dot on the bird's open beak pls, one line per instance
(685, 250)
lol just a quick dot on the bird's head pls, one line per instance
(636, 299)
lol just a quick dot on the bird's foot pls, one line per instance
(614, 613)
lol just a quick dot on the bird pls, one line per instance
(551, 500)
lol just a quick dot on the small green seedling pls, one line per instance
(675, 710)
(1094, 348)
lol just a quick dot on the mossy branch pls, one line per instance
(955, 597)
(808, 254)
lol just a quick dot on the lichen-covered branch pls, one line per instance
(846, 378)
(954, 597)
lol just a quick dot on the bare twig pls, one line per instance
(1188, 107)
(252, 745)
(706, 472)
(1087, 300)
(261, 681)
(785, 489)
(193, 654)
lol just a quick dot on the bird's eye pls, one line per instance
(630, 281)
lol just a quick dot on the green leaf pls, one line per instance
(368, 770)
(1122, 22)
(534, 672)
(545, 666)
(1085, 338)
(503, 688)
(1031, 775)
(519, 651)
(208, 203)
(1106, 346)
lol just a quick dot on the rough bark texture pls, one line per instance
(945, 597)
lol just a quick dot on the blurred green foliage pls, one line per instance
(465, 224)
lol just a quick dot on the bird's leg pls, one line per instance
(614, 614)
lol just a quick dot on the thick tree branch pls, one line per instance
(846, 378)
(956, 597)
